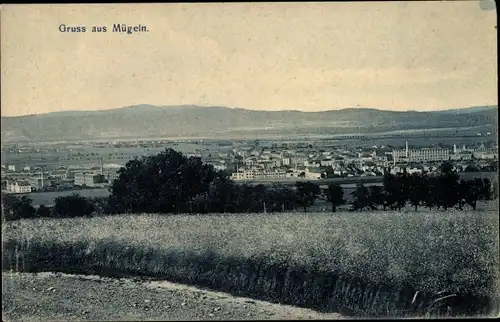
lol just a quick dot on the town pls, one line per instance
(91, 165)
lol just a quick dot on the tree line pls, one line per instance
(442, 191)
(170, 182)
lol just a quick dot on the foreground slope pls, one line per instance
(49, 297)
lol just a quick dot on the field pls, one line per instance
(367, 264)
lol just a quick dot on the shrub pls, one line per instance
(72, 206)
(14, 207)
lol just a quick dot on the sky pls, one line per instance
(265, 56)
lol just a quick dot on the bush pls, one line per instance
(72, 206)
(43, 211)
(14, 208)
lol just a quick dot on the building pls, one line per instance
(313, 174)
(328, 162)
(299, 159)
(110, 172)
(20, 187)
(313, 163)
(220, 167)
(276, 163)
(485, 155)
(416, 168)
(461, 156)
(367, 156)
(111, 175)
(11, 167)
(37, 183)
(58, 175)
(89, 179)
(258, 175)
(420, 155)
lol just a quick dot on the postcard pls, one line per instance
(249, 161)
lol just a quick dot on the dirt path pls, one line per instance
(54, 296)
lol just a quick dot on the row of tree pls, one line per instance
(14, 207)
(444, 191)
(172, 183)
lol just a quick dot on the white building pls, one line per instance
(312, 163)
(220, 167)
(20, 187)
(485, 155)
(312, 175)
(258, 175)
(328, 162)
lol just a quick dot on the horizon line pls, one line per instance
(360, 107)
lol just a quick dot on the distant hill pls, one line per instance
(148, 121)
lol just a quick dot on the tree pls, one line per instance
(361, 197)
(257, 197)
(43, 211)
(375, 197)
(390, 190)
(72, 206)
(279, 198)
(486, 191)
(448, 189)
(306, 193)
(473, 192)
(7, 207)
(471, 168)
(335, 195)
(402, 189)
(416, 193)
(430, 191)
(100, 205)
(221, 195)
(14, 208)
(446, 167)
(164, 183)
(463, 193)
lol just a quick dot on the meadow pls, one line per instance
(376, 264)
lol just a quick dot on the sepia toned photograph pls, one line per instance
(250, 161)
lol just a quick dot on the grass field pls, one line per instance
(369, 263)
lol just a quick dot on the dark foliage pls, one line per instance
(164, 183)
(14, 207)
(306, 194)
(72, 206)
(376, 197)
(43, 211)
(335, 195)
(361, 197)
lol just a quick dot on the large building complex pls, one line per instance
(421, 155)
